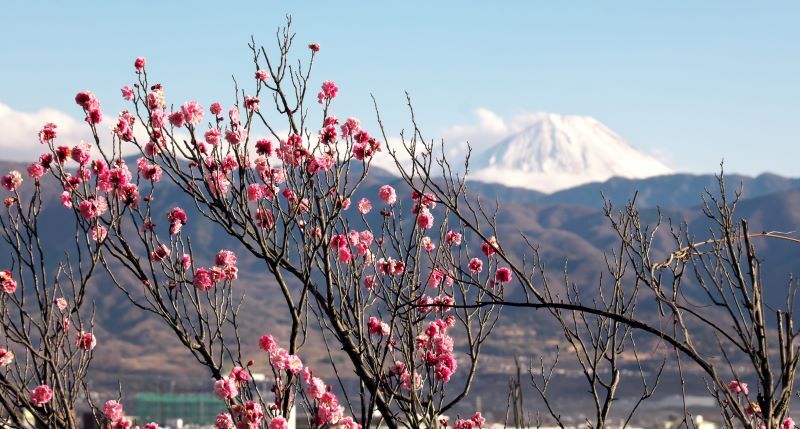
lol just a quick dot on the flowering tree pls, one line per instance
(710, 285)
(376, 280)
(407, 283)
(45, 325)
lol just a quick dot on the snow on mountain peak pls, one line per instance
(556, 152)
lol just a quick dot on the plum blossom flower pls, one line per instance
(267, 343)
(251, 103)
(387, 194)
(262, 75)
(36, 171)
(452, 238)
(6, 357)
(177, 218)
(225, 388)
(160, 253)
(192, 112)
(425, 219)
(329, 91)
(490, 246)
(127, 93)
(112, 410)
(12, 180)
(41, 395)
(139, 64)
(376, 327)
(503, 275)
(213, 136)
(278, 422)
(47, 133)
(314, 47)
(61, 303)
(224, 421)
(7, 281)
(203, 279)
(364, 206)
(85, 341)
(737, 386)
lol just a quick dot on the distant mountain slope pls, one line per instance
(557, 152)
(673, 190)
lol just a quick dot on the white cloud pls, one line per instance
(19, 141)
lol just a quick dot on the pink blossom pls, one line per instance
(6, 357)
(294, 364)
(47, 133)
(262, 75)
(127, 93)
(264, 147)
(425, 219)
(186, 261)
(376, 327)
(239, 375)
(329, 91)
(490, 247)
(203, 279)
(66, 199)
(314, 47)
(267, 343)
(160, 253)
(264, 218)
(139, 64)
(254, 192)
(85, 341)
(387, 194)
(427, 244)
(99, 233)
(278, 422)
(251, 103)
(12, 180)
(93, 207)
(225, 258)
(348, 423)
(176, 119)
(350, 127)
(213, 136)
(225, 388)
(478, 419)
(736, 386)
(236, 136)
(41, 395)
(81, 153)
(8, 282)
(87, 100)
(36, 171)
(177, 218)
(503, 275)
(369, 282)
(224, 421)
(344, 255)
(788, 423)
(112, 410)
(364, 206)
(215, 109)
(316, 387)
(192, 112)
(61, 303)
(452, 238)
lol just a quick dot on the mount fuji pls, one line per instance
(556, 152)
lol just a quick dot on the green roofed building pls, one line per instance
(192, 408)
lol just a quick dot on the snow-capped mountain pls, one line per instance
(556, 152)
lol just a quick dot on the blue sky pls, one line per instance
(693, 81)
